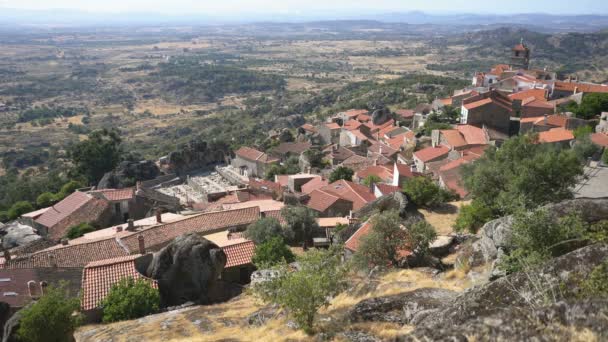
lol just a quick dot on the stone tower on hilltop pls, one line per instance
(520, 58)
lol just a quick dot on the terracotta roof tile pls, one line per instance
(254, 155)
(472, 135)
(405, 113)
(321, 200)
(354, 241)
(314, 184)
(432, 153)
(555, 135)
(117, 194)
(239, 254)
(555, 120)
(352, 125)
(360, 195)
(64, 208)
(72, 255)
(99, 277)
(309, 127)
(384, 172)
(581, 87)
(276, 214)
(600, 139)
(353, 113)
(453, 138)
(536, 93)
(332, 125)
(156, 237)
(478, 104)
(292, 147)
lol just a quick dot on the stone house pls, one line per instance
(251, 162)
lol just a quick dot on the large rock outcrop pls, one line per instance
(531, 301)
(15, 234)
(187, 270)
(405, 308)
(128, 173)
(495, 236)
(395, 201)
(197, 154)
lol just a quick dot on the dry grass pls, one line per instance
(444, 220)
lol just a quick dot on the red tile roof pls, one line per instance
(254, 155)
(406, 171)
(157, 236)
(386, 189)
(581, 87)
(64, 208)
(264, 185)
(399, 140)
(520, 47)
(360, 195)
(600, 139)
(72, 255)
(381, 129)
(453, 138)
(363, 118)
(384, 172)
(117, 194)
(555, 120)
(387, 151)
(276, 214)
(99, 277)
(354, 241)
(321, 200)
(239, 254)
(314, 184)
(477, 104)
(453, 181)
(555, 135)
(432, 153)
(309, 127)
(472, 135)
(353, 113)
(406, 113)
(536, 93)
(352, 125)
(332, 125)
(292, 147)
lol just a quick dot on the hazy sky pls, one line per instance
(234, 7)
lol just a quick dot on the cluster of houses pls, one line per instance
(381, 145)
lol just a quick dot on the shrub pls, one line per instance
(387, 239)
(539, 236)
(4, 216)
(45, 199)
(272, 252)
(129, 299)
(341, 172)
(51, 318)
(263, 230)
(424, 192)
(605, 156)
(303, 292)
(472, 217)
(371, 179)
(19, 208)
(585, 148)
(68, 188)
(596, 285)
(79, 230)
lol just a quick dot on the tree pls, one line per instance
(605, 156)
(271, 252)
(263, 230)
(274, 170)
(522, 174)
(592, 105)
(97, 155)
(582, 131)
(314, 157)
(292, 165)
(584, 148)
(68, 188)
(423, 191)
(341, 172)
(419, 237)
(18, 209)
(129, 299)
(472, 217)
(303, 292)
(51, 318)
(301, 222)
(79, 230)
(45, 199)
(383, 243)
(371, 179)
(539, 236)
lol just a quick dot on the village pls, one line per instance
(340, 170)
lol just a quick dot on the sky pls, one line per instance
(236, 7)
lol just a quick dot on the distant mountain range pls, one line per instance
(536, 21)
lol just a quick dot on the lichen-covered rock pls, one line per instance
(381, 116)
(401, 308)
(395, 201)
(442, 245)
(558, 279)
(128, 173)
(15, 234)
(186, 270)
(197, 154)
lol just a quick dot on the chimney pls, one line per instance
(64, 242)
(119, 229)
(380, 149)
(350, 214)
(142, 244)
(138, 185)
(159, 216)
(7, 255)
(130, 225)
(575, 90)
(52, 260)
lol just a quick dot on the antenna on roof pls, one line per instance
(521, 40)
